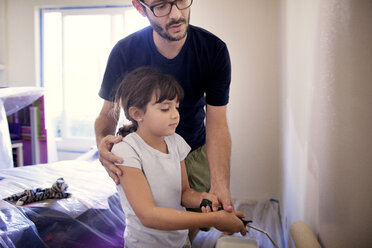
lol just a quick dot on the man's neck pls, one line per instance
(169, 49)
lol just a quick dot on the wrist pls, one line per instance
(203, 195)
(216, 216)
(218, 187)
(219, 182)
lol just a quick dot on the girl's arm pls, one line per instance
(140, 198)
(192, 198)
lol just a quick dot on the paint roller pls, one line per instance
(302, 235)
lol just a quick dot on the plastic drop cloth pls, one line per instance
(6, 159)
(16, 98)
(91, 217)
(11, 100)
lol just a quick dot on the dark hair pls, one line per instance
(137, 88)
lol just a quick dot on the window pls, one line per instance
(75, 45)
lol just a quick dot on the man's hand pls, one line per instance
(108, 159)
(214, 202)
(224, 197)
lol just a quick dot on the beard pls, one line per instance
(163, 32)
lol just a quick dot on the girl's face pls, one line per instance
(160, 119)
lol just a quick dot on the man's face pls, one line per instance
(172, 27)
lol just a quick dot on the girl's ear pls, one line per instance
(135, 113)
(139, 7)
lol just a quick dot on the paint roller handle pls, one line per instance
(206, 202)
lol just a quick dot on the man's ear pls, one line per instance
(139, 7)
(136, 114)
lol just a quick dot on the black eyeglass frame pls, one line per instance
(170, 9)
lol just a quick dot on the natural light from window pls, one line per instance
(75, 46)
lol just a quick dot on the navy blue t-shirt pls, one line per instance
(202, 68)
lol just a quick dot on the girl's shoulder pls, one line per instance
(179, 145)
(129, 150)
(128, 146)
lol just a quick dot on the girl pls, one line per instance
(154, 188)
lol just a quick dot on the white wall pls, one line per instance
(327, 118)
(299, 112)
(299, 29)
(251, 33)
(250, 29)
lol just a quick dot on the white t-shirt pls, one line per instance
(163, 173)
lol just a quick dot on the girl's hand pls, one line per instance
(213, 198)
(229, 223)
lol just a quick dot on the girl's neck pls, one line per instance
(156, 142)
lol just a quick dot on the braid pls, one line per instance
(127, 129)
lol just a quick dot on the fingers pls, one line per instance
(113, 170)
(206, 209)
(108, 159)
(213, 199)
(228, 208)
(113, 176)
(215, 203)
(239, 214)
(243, 231)
(106, 155)
(108, 162)
(224, 197)
(109, 140)
(227, 203)
(105, 149)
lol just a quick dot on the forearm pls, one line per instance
(103, 126)
(218, 146)
(173, 219)
(191, 198)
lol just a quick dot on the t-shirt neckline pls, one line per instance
(153, 150)
(161, 56)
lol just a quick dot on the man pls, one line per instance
(201, 63)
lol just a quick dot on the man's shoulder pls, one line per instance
(137, 38)
(201, 33)
(205, 42)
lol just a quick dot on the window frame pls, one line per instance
(67, 143)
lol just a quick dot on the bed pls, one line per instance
(92, 215)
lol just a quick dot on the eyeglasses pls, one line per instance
(163, 9)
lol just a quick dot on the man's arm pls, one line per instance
(191, 198)
(218, 144)
(105, 126)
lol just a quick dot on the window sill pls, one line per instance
(79, 145)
